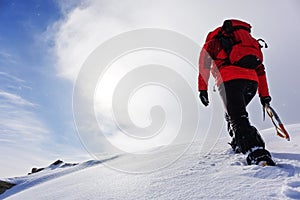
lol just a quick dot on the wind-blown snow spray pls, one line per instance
(136, 95)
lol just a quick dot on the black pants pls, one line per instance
(236, 95)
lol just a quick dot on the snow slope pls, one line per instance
(217, 175)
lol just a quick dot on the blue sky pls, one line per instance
(43, 44)
(24, 53)
(36, 105)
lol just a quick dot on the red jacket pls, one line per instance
(222, 72)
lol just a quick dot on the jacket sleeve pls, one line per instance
(204, 68)
(263, 89)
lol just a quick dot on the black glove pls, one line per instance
(265, 100)
(204, 97)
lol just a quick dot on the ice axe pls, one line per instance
(281, 131)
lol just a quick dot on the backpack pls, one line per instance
(241, 48)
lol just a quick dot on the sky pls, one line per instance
(44, 44)
(36, 119)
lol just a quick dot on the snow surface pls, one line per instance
(219, 174)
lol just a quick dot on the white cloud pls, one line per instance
(23, 140)
(14, 99)
(91, 23)
(7, 57)
(23, 135)
(86, 27)
(11, 77)
(82, 31)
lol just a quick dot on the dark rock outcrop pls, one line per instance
(53, 165)
(5, 186)
(35, 170)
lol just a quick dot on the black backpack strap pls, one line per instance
(227, 26)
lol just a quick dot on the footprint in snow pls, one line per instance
(292, 190)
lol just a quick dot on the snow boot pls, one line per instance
(260, 156)
(234, 146)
